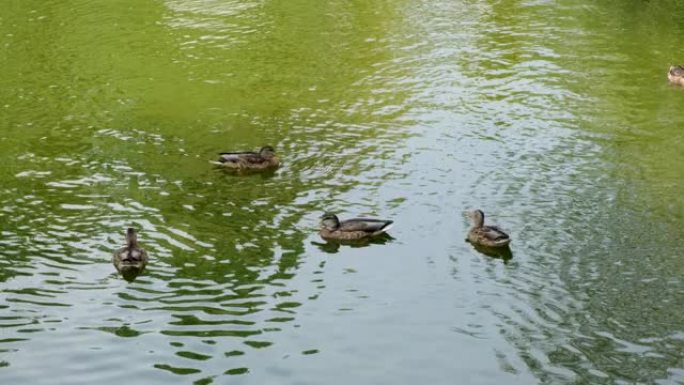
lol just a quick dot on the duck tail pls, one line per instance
(386, 227)
(502, 242)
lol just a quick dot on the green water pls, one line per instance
(554, 117)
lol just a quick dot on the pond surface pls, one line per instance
(554, 117)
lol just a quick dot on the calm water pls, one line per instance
(554, 117)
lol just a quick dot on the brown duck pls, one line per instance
(676, 75)
(131, 258)
(352, 229)
(490, 236)
(264, 159)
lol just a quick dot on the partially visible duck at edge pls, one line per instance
(489, 236)
(352, 229)
(676, 75)
(264, 159)
(131, 258)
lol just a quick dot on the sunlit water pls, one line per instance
(554, 117)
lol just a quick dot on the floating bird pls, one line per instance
(676, 75)
(131, 259)
(490, 236)
(249, 160)
(352, 229)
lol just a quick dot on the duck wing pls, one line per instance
(493, 233)
(137, 255)
(365, 224)
(127, 254)
(249, 156)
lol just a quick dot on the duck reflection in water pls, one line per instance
(332, 246)
(130, 260)
(504, 253)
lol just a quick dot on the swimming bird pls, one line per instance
(131, 258)
(352, 229)
(676, 75)
(249, 160)
(490, 236)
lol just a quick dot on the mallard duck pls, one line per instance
(490, 236)
(249, 160)
(131, 258)
(352, 229)
(676, 75)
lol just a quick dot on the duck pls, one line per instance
(263, 159)
(352, 229)
(131, 258)
(676, 75)
(488, 236)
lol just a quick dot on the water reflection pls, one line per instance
(503, 253)
(263, 174)
(130, 272)
(333, 246)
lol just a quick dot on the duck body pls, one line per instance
(264, 159)
(676, 75)
(352, 229)
(131, 258)
(488, 236)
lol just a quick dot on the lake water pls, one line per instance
(554, 117)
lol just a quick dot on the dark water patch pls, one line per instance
(233, 353)
(258, 344)
(236, 371)
(177, 370)
(211, 333)
(193, 356)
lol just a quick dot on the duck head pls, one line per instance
(477, 217)
(267, 152)
(330, 221)
(131, 237)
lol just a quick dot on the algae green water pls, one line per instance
(554, 117)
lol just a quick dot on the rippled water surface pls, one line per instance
(554, 117)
